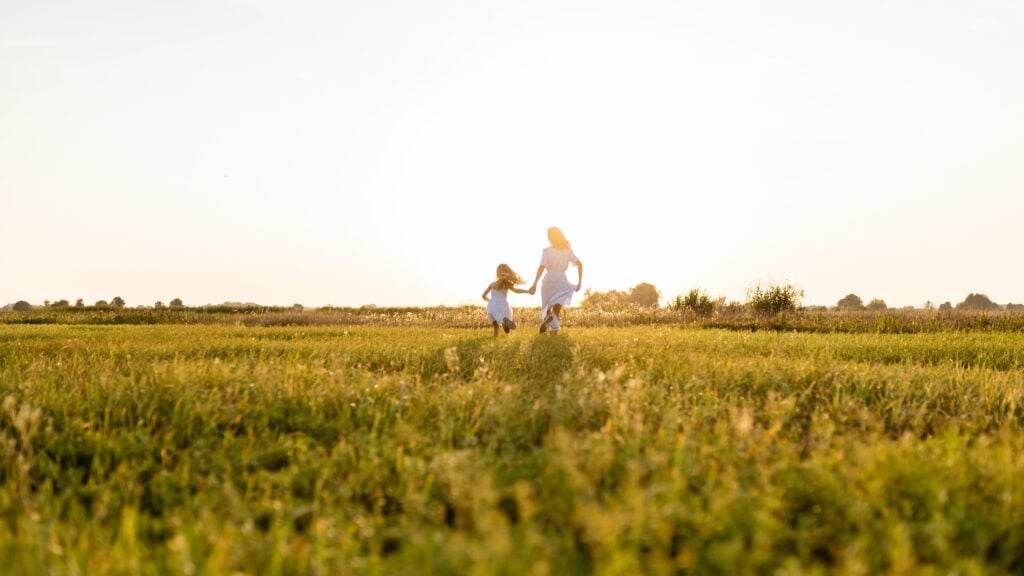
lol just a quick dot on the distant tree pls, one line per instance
(60, 304)
(298, 307)
(850, 302)
(79, 303)
(159, 305)
(977, 302)
(21, 306)
(945, 306)
(101, 304)
(611, 298)
(929, 306)
(176, 303)
(117, 302)
(645, 295)
(642, 294)
(1014, 307)
(877, 304)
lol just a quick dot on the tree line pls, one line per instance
(116, 302)
(770, 298)
(973, 302)
(767, 298)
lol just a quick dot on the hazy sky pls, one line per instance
(394, 152)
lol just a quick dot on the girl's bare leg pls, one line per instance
(495, 324)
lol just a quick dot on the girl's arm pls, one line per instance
(579, 269)
(520, 290)
(486, 292)
(540, 271)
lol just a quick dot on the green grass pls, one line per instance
(223, 448)
(730, 317)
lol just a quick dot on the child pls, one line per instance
(498, 308)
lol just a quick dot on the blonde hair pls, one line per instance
(557, 239)
(506, 277)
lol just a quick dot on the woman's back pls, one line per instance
(557, 259)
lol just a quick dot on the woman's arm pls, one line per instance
(579, 270)
(540, 272)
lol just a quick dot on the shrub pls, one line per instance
(695, 300)
(774, 299)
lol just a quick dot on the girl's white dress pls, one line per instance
(556, 288)
(498, 307)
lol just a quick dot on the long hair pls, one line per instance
(506, 277)
(557, 239)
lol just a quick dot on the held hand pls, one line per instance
(533, 290)
(578, 286)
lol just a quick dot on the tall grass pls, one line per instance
(219, 449)
(701, 313)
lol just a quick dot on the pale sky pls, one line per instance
(394, 152)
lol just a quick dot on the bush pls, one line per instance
(695, 300)
(774, 299)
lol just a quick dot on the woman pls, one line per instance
(556, 291)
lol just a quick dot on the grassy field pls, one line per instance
(206, 447)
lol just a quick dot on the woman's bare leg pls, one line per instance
(557, 311)
(553, 313)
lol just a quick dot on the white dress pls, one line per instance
(498, 307)
(556, 288)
